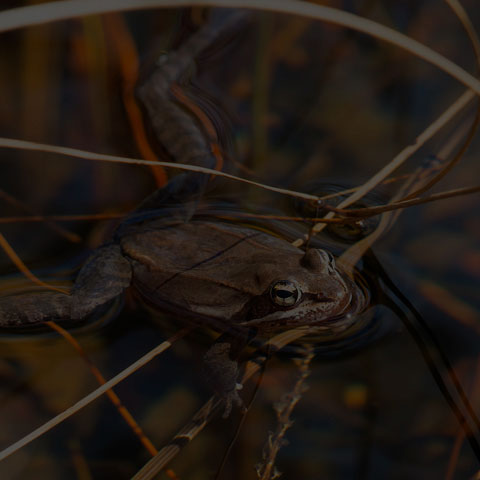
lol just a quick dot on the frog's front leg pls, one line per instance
(104, 276)
(221, 367)
(222, 374)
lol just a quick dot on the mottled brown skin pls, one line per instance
(222, 273)
(179, 132)
(217, 274)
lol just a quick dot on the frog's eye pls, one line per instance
(285, 293)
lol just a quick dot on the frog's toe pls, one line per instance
(221, 372)
(233, 398)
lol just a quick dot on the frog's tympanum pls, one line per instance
(216, 274)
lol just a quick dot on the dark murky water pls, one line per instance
(307, 105)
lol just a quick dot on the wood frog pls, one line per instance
(231, 278)
(235, 279)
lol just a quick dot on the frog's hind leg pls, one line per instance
(26, 310)
(104, 276)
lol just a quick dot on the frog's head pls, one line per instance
(310, 290)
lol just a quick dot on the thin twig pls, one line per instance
(99, 157)
(113, 216)
(23, 268)
(460, 438)
(114, 398)
(396, 162)
(370, 211)
(203, 416)
(353, 254)
(93, 395)
(70, 236)
(63, 218)
(473, 36)
(417, 183)
(266, 469)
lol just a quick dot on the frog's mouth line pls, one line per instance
(308, 315)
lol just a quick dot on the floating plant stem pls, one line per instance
(266, 469)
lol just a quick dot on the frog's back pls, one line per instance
(204, 268)
(183, 245)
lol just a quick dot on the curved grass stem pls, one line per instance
(55, 11)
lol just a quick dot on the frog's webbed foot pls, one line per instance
(106, 274)
(222, 374)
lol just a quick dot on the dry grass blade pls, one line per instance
(93, 395)
(417, 183)
(184, 436)
(472, 34)
(454, 109)
(460, 12)
(67, 8)
(70, 236)
(475, 395)
(266, 470)
(207, 412)
(352, 255)
(63, 218)
(49, 12)
(127, 59)
(396, 162)
(114, 398)
(23, 268)
(113, 216)
(73, 152)
(369, 211)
